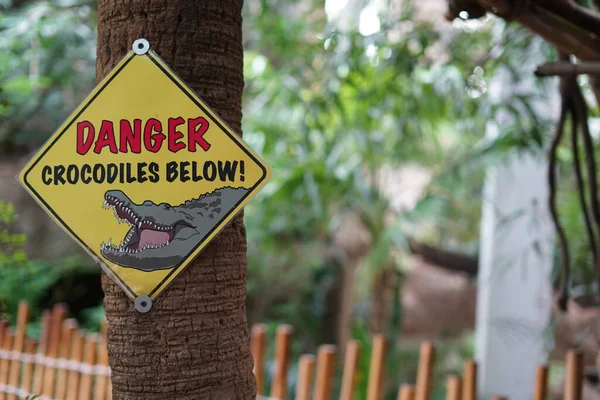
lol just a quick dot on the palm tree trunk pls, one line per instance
(194, 344)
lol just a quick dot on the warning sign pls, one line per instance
(143, 174)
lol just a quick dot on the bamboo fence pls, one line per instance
(66, 363)
(316, 374)
(70, 364)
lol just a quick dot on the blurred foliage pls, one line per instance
(10, 243)
(16, 270)
(47, 58)
(328, 108)
(11, 246)
(22, 279)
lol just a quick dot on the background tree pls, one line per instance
(195, 342)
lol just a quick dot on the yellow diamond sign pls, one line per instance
(143, 174)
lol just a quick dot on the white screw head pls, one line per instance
(141, 46)
(143, 304)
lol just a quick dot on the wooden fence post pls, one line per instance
(7, 342)
(18, 347)
(109, 389)
(66, 344)
(306, 370)
(350, 367)
(3, 332)
(406, 392)
(325, 371)
(73, 377)
(85, 386)
(104, 333)
(574, 376)
(102, 380)
(258, 345)
(541, 383)
(453, 388)
(58, 316)
(425, 371)
(283, 338)
(470, 381)
(28, 364)
(38, 383)
(374, 387)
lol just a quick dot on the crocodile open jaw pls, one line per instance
(143, 234)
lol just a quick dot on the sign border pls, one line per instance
(164, 68)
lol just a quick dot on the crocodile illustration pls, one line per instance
(161, 235)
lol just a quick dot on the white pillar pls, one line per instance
(516, 255)
(514, 292)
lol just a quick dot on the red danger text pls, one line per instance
(132, 136)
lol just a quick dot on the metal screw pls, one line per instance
(143, 304)
(141, 46)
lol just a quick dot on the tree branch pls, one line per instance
(551, 21)
(566, 69)
(579, 177)
(580, 108)
(582, 112)
(566, 36)
(564, 247)
(444, 258)
(573, 12)
(547, 21)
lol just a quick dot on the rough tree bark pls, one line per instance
(194, 344)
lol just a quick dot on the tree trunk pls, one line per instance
(194, 343)
(336, 322)
(382, 300)
(344, 325)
